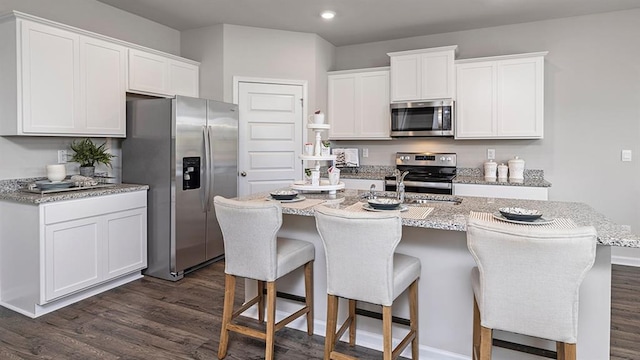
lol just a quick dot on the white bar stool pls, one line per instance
(362, 266)
(253, 250)
(527, 281)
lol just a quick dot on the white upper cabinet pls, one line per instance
(103, 68)
(500, 97)
(358, 104)
(161, 75)
(424, 74)
(57, 80)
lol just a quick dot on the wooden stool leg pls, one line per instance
(352, 325)
(260, 301)
(227, 312)
(566, 351)
(486, 339)
(386, 333)
(476, 331)
(271, 319)
(308, 293)
(332, 323)
(413, 316)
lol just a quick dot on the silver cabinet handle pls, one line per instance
(243, 174)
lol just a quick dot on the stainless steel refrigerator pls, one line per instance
(186, 150)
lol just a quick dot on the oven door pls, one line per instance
(434, 118)
(427, 187)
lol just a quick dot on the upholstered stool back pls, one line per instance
(359, 248)
(250, 232)
(528, 278)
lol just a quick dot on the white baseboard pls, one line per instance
(625, 260)
(364, 338)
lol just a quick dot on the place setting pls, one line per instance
(523, 216)
(292, 199)
(389, 204)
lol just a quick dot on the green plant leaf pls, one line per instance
(86, 153)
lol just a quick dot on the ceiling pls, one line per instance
(362, 21)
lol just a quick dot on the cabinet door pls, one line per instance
(437, 75)
(405, 77)
(103, 75)
(476, 100)
(148, 73)
(342, 106)
(125, 246)
(183, 78)
(72, 257)
(50, 79)
(520, 93)
(373, 118)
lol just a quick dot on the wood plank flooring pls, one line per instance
(158, 319)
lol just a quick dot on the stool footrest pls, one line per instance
(282, 323)
(403, 344)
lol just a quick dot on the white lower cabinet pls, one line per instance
(82, 247)
(502, 191)
(363, 184)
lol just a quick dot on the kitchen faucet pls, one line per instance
(372, 191)
(400, 184)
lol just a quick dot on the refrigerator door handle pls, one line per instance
(205, 200)
(210, 169)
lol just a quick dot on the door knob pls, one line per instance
(243, 174)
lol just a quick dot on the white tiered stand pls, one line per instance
(324, 183)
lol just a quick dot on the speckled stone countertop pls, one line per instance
(532, 178)
(448, 215)
(10, 191)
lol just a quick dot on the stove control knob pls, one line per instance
(442, 158)
(449, 158)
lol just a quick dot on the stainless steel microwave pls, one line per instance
(423, 118)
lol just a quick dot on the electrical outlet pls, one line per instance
(491, 154)
(626, 155)
(365, 152)
(62, 156)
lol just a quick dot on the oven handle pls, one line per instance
(421, 184)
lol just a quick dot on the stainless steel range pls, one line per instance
(428, 172)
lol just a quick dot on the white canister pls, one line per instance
(490, 170)
(56, 172)
(502, 172)
(315, 177)
(316, 119)
(308, 149)
(516, 169)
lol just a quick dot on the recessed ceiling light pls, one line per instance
(328, 15)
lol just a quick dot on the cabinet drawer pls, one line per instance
(82, 208)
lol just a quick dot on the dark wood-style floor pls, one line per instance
(157, 319)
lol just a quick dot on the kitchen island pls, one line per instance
(445, 292)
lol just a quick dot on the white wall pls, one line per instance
(27, 156)
(592, 105)
(206, 46)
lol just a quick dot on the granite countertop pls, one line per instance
(449, 216)
(10, 191)
(532, 177)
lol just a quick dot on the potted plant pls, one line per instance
(87, 154)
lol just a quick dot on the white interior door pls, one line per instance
(270, 138)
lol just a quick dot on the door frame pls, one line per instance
(305, 96)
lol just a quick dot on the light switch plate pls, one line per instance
(491, 154)
(365, 152)
(626, 155)
(62, 156)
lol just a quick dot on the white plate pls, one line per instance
(295, 199)
(538, 221)
(368, 207)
